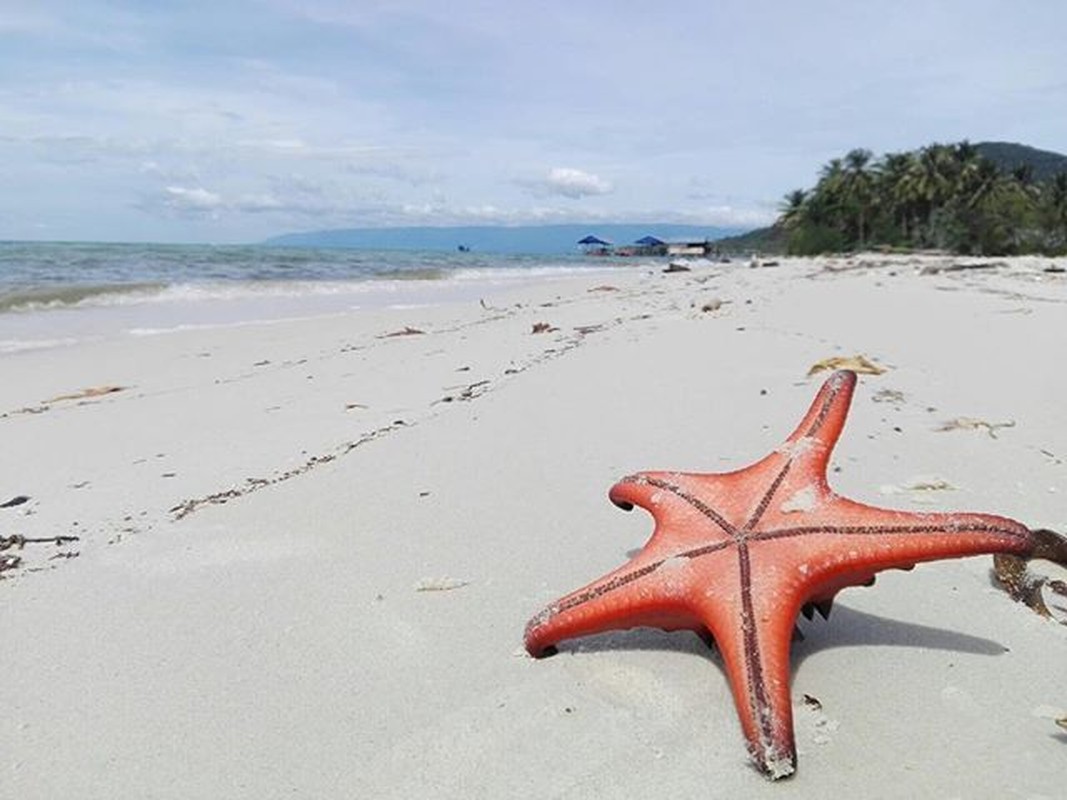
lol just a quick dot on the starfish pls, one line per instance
(735, 556)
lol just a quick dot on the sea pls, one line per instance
(59, 294)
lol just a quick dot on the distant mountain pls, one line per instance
(1009, 155)
(531, 239)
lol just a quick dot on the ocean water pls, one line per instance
(56, 294)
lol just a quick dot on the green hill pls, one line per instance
(1009, 155)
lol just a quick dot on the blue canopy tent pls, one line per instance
(593, 240)
(650, 241)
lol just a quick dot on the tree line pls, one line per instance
(943, 196)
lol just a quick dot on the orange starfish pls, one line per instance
(736, 555)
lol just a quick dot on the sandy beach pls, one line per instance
(307, 550)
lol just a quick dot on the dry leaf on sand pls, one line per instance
(857, 363)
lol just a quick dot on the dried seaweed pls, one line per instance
(971, 424)
(1015, 575)
(10, 561)
(856, 363)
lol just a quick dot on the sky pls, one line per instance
(235, 120)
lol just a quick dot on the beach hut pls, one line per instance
(594, 245)
(650, 241)
(650, 246)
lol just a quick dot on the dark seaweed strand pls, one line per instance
(872, 530)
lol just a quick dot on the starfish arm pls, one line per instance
(681, 505)
(624, 598)
(813, 440)
(753, 636)
(844, 543)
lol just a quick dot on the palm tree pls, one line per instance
(897, 189)
(858, 190)
(792, 208)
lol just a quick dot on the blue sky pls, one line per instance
(230, 121)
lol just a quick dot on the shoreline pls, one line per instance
(79, 313)
(308, 549)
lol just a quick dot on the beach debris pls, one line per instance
(18, 541)
(587, 329)
(86, 394)
(1033, 584)
(10, 561)
(543, 327)
(888, 396)
(604, 287)
(856, 363)
(352, 406)
(920, 485)
(932, 485)
(440, 584)
(188, 506)
(1055, 268)
(407, 330)
(972, 424)
(469, 392)
(712, 305)
(1062, 723)
(18, 500)
(934, 269)
(677, 266)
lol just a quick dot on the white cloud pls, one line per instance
(569, 182)
(196, 199)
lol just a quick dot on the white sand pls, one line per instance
(350, 623)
